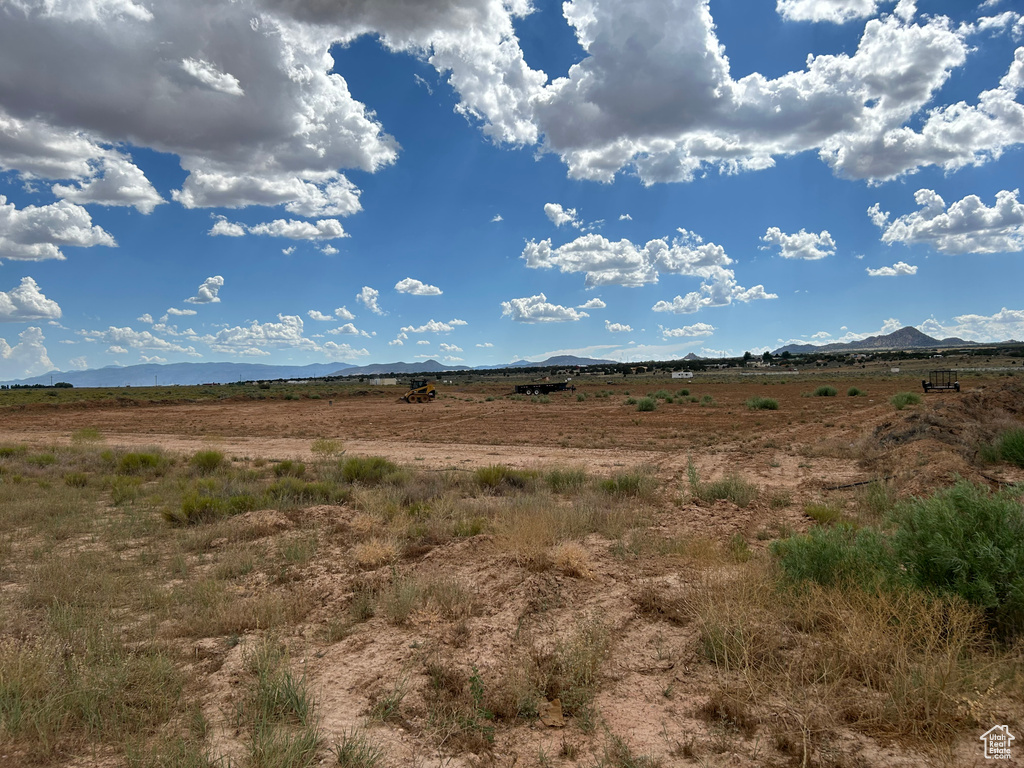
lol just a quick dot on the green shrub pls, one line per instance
(289, 468)
(638, 483)
(965, 541)
(500, 477)
(76, 479)
(206, 462)
(683, 393)
(823, 514)
(565, 480)
(197, 508)
(902, 399)
(631, 401)
(838, 555)
(662, 394)
(968, 541)
(853, 392)
(647, 404)
(732, 487)
(825, 391)
(41, 459)
(368, 470)
(141, 464)
(762, 404)
(707, 400)
(1011, 447)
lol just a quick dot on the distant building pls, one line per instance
(379, 382)
(682, 374)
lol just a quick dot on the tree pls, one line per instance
(766, 357)
(747, 356)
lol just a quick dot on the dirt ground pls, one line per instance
(807, 448)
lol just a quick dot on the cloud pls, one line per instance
(802, 245)
(449, 348)
(625, 217)
(899, 268)
(27, 302)
(604, 262)
(242, 93)
(314, 314)
(594, 303)
(368, 298)
(560, 216)
(207, 74)
(835, 11)
(146, 318)
(329, 250)
(116, 350)
(335, 351)
(617, 327)
(207, 292)
(423, 343)
(152, 359)
(433, 326)
(127, 338)
(256, 337)
(181, 312)
(26, 358)
(496, 218)
(113, 181)
(344, 314)
(485, 345)
(396, 343)
(348, 328)
(1004, 325)
(687, 331)
(966, 226)
(79, 363)
(417, 288)
(536, 309)
(34, 233)
(324, 229)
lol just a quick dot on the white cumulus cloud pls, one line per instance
(344, 314)
(324, 229)
(207, 292)
(688, 331)
(27, 302)
(417, 288)
(368, 298)
(617, 327)
(315, 314)
(899, 268)
(537, 309)
(835, 11)
(802, 245)
(1003, 325)
(26, 358)
(965, 226)
(559, 215)
(35, 233)
(594, 303)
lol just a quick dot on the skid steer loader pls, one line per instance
(420, 391)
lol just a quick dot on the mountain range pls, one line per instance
(186, 374)
(907, 337)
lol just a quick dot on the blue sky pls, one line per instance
(480, 181)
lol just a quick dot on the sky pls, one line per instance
(483, 181)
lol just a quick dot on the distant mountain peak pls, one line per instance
(907, 337)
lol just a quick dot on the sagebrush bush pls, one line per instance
(1011, 447)
(825, 391)
(902, 399)
(762, 404)
(647, 404)
(289, 468)
(731, 487)
(964, 541)
(141, 463)
(206, 462)
(497, 477)
(853, 392)
(368, 470)
(637, 483)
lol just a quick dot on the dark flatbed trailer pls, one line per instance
(544, 388)
(942, 380)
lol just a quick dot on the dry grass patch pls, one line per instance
(572, 559)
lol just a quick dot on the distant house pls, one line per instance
(379, 382)
(682, 374)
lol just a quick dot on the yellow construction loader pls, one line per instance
(420, 391)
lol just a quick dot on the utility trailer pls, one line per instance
(543, 388)
(942, 380)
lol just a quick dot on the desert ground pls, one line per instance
(556, 581)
